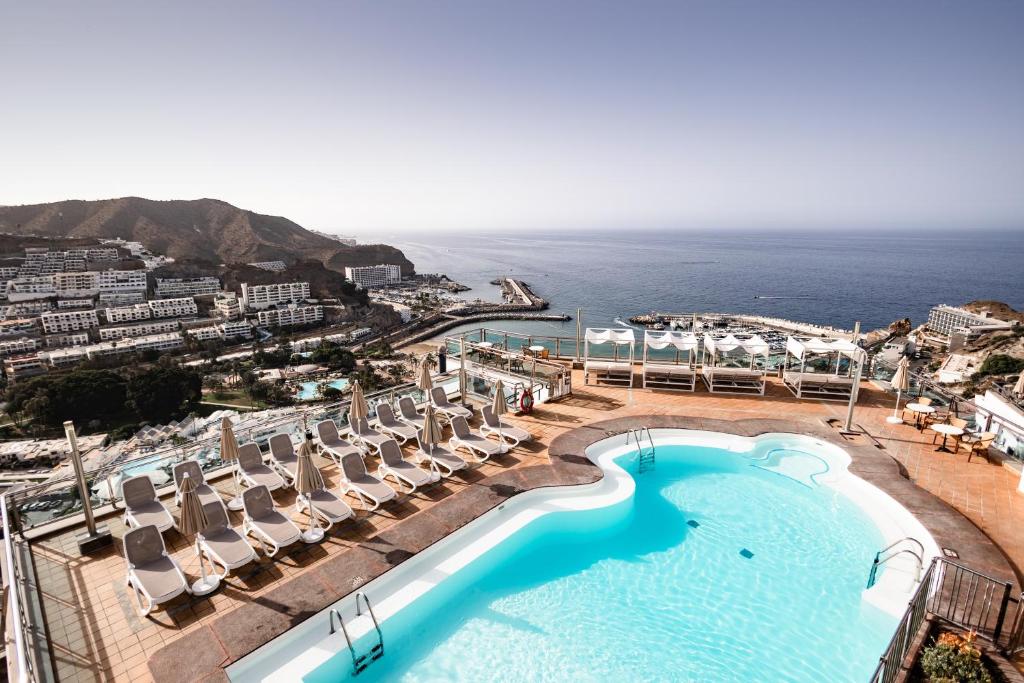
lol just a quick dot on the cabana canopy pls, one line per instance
(798, 347)
(615, 370)
(755, 345)
(602, 335)
(683, 341)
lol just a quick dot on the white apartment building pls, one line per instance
(17, 326)
(18, 346)
(8, 272)
(66, 304)
(204, 333)
(83, 284)
(127, 314)
(139, 330)
(946, 320)
(256, 297)
(27, 288)
(57, 322)
(110, 299)
(28, 308)
(17, 367)
(173, 308)
(287, 316)
(169, 288)
(272, 266)
(70, 339)
(159, 342)
(380, 275)
(60, 358)
(228, 306)
(238, 328)
(115, 281)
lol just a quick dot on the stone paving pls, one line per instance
(96, 633)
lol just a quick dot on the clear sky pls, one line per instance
(355, 117)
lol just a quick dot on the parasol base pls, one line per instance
(235, 504)
(894, 420)
(312, 535)
(205, 586)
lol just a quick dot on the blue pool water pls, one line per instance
(723, 567)
(307, 390)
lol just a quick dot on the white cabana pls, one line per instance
(677, 373)
(616, 369)
(828, 386)
(734, 378)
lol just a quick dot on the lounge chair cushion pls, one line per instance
(158, 577)
(151, 513)
(330, 505)
(229, 546)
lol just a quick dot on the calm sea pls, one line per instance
(827, 279)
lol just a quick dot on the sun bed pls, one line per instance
(660, 373)
(142, 507)
(615, 370)
(445, 407)
(369, 438)
(479, 447)
(389, 424)
(821, 385)
(370, 490)
(329, 441)
(326, 505)
(494, 426)
(393, 464)
(283, 458)
(447, 461)
(253, 471)
(407, 409)
(727, 379)
(152, 573)
(826, 386)
(265, 523)
(221, 543)
(207, 494)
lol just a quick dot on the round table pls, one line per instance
(485, 345)
(919, 409)
(946, 431)
(536, 349)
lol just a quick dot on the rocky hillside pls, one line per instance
(203, 229)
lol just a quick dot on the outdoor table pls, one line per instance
(946, 431)
(485, 344)
(919, 409)
(536, 349)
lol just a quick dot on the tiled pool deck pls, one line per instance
(96, 633)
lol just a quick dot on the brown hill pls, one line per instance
(205, 229)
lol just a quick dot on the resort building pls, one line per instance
(121, 298)
(127, 314)
(288, 316)
(205, 333)
(65, 357)
(272, 266)
(56, 322)
(368, 277)
(233, 329)
(20, 346)
(173, 308)
(947, 320)
(159, 342)
(228, 306)
(18, 326)
(258, 297)
(71, 285)
(116, 281)
(20, 367)
(169, 288)
(28, 308)
(139, 330)
(54, 341)
(67, 304)
(28, 288)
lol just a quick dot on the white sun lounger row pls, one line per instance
(821, 385)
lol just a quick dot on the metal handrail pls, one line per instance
(25, 671)
(879, 561)
(894, 653)
(369, 609)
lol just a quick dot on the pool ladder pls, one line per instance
(360, 662)
(895, 550)
(645, 459)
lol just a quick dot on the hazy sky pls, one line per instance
(356, 117)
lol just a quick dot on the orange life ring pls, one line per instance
(526, 402)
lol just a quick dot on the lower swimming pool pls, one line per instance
(733, 560)
(308, 390)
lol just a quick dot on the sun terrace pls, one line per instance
(70, 616)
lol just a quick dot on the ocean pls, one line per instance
(830, 279)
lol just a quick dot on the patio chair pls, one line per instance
(254, 472)
(920, 400)
(445, 407)
(495, 426)
(327, 506)
(368, 437)
(207, 494)
(389, 424)
(283, 458)
(438, 455)
(370, 490)
(477, 446)
(329, 441)
(407, 409)
(979, 445)
(141, 506)
(263, 521)
(393, 464)
(221, 544)
(152, 573)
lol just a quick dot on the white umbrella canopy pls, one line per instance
(499, 408)
(307, 480)
(1018, 388)
(358, 410)
(228, 455)
(431, 429)
(424, 381)
(900, 382)
(192, 522)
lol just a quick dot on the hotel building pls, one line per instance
(169, 288)
(56, 322)
(291, 315)
(173, 308)
(368, 277)
(256, 297)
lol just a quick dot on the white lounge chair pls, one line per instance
(394, 465)
(370, 490)
(327, 506)
(445, 407)
(141, 506)
(221, 543)
(191, 468)
(478, 446)
(438, 455)
(152, 573)
(254, 472)
(283, 458)
(494, 426)
(329, 441)
(369, 438)
(407, 409)
(389, 424)
(265, 523)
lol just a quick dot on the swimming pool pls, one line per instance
(734, 559)
(307, 390)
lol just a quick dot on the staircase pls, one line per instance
(645, 458)
(360, 661)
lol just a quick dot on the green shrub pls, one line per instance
(954, 659)
(1000, 364)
